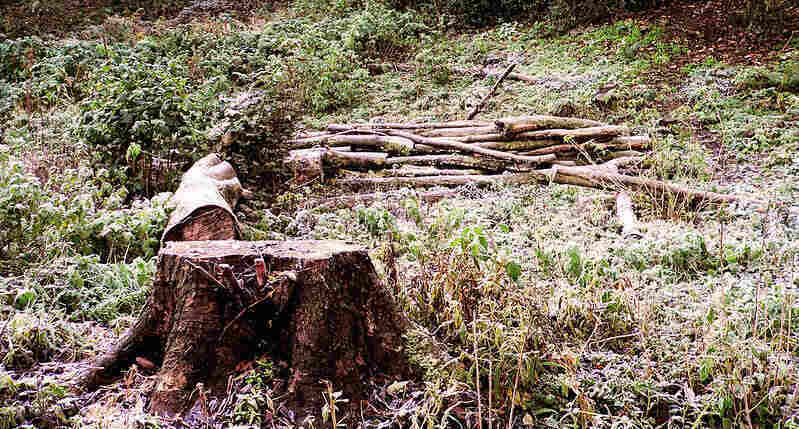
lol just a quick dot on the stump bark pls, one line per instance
(320, 306)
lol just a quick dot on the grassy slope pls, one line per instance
(598, 330)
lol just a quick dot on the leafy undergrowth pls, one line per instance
(526, 303)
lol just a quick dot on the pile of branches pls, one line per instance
(543, 149)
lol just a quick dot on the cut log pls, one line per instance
(415, 170)
(608, 131)
(451, 161)
(306, 164)
(529, 123)
(587, 147)
(361, 160)
(624, 210)
(518, 145)
(390, 144)
(592, 177)
(350, 201)
(458, 132)
(463, 147)
(323, 310)
(407, 126)
(202, 207)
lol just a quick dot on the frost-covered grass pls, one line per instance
(529, 290)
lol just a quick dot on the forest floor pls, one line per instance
(695, 324)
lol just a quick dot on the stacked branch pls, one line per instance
(538, 148)
(460, 148)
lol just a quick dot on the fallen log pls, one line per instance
(458, 132)
(407, 126)
(349, 201)
(415, 170)
(391, 144)
(590, 132)
(592, 177)
(452, 160)
(202, 207)
(587, 147)
(521, 124)
(462, 147)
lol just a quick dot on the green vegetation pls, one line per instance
(528, 294)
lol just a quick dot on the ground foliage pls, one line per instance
(525, 303)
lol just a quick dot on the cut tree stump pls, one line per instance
(320, 307)
(317, 305)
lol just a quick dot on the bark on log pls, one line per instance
(624, 210)
(390, 144)
(408, 126)
(415, 170)
(203, 204)
(591, 177)
(350, 201)
(453, 160)
(529, 123)
(607, 131)
(462, 147)
(323, 309)
(458, 132)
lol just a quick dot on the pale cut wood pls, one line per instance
(458, 132)
(517, 145)
(408, 126)
(516, 125)
(349, 201)
(204, 202)
(591, 132)
(592, 177)
(624, 210)
(415, 170)
(391, 144)
(362, 160)
(451, 160)
(587, 147)
(462, 147)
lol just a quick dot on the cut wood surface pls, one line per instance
(624, 210)
(202, 207)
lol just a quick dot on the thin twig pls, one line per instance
(477, 375)
(490, 94)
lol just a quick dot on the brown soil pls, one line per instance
(708, 29)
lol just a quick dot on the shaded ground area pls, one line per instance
(709, 29)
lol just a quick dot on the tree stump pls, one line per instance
(319, 303)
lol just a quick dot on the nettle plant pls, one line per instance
(83, 216)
